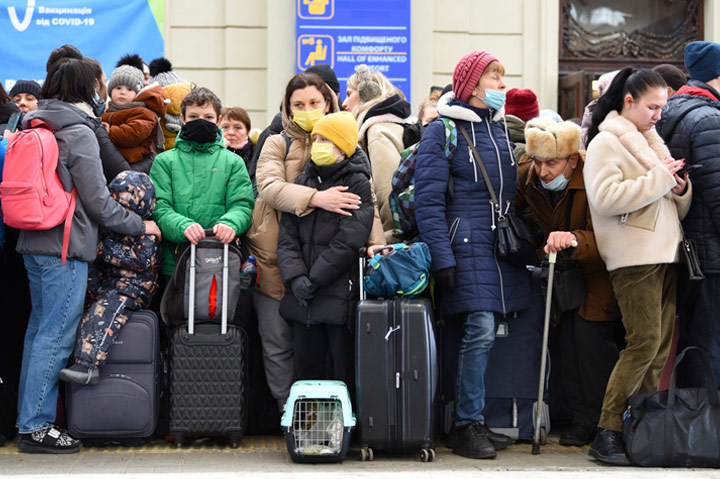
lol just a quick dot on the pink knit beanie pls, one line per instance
(468, 72)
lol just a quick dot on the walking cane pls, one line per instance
(552, 257)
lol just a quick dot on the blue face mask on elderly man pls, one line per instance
(558, 183)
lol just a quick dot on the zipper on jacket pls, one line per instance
(499, 162)
(312, 258)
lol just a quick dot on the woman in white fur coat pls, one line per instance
(636, 202)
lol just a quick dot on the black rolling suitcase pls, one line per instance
(396, 375)
(123, 406)
(208, 364)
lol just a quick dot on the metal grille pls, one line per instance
(318, 426)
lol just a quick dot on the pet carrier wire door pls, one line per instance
(318, 421)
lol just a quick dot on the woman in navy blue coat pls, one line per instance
(460, 232)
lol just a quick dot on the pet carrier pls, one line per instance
(318, 421)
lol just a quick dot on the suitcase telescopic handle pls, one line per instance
(225, 281)
(361, 256)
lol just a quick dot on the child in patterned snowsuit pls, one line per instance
(122, 279)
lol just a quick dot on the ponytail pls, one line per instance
(634, 81)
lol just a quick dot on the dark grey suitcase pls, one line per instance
(396, 375)
(207, 373)
(124, 404)
(512, 374)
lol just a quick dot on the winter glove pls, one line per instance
(302, 289)
(445, 278)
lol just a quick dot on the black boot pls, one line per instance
(500, 441)
(471, 440)
(79, 374)
(578, 435)
(608, 448)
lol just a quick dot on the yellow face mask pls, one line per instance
(322, 154)
(307, 119)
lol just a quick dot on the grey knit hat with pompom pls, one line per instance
(126, 75)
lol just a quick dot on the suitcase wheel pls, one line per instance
(427, 455)
(543, 436)
(234, 442)
(366, 454)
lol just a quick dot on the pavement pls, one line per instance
(267, 457)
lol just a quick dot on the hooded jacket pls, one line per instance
(277, 169)
(324, 246)
(459, 232)
(78, 166)
(381, 136)
(199, 183)
(635, 216)
(171, 121)
(132, 130)
(128, 264)
(599, 303)
(690, 125)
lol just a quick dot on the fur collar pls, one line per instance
(386, 118)
(458, 112)
(647, 147)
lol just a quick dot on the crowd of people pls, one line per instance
(156, 161)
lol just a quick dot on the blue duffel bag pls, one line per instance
(404, 271)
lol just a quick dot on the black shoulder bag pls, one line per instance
(568, 281)
(513, 240)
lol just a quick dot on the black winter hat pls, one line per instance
(327, 74)
(26, 86)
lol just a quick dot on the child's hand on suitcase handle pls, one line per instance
(302, 289)
(223, 233)
(194, 233)
(560, 240)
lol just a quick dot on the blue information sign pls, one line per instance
(104, 30)
(347, 33)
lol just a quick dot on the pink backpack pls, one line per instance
(32, 195)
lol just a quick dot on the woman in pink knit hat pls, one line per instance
(457, 222)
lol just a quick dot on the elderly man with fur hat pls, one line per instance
(551, 187)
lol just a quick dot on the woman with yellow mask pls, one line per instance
(283, 158)
(318, 254)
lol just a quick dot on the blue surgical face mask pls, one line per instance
(559, 182)
(495, 99)
(98, 105)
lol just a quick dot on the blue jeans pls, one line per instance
(57, 292)
(472, 361)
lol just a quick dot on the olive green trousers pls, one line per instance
(646, 296)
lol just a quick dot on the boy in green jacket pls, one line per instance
(199, 184)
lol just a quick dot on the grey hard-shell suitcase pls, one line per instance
(124, 405)
(207, 373)
(396, 375)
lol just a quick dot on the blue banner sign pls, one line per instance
(347, 33)
(104, 30)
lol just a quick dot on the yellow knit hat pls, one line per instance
(341, 129)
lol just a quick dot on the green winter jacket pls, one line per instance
(199, 183)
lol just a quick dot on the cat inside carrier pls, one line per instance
(318, 421)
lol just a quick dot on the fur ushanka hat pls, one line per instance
(547, 138)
